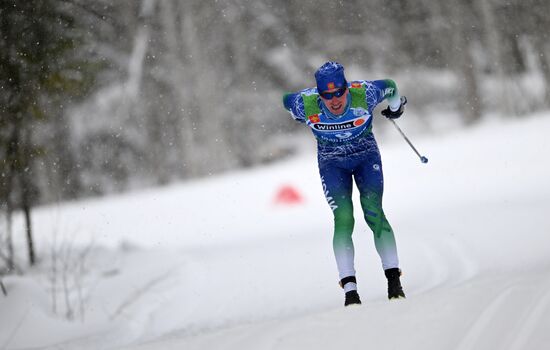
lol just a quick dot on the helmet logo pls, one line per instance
(330, 85)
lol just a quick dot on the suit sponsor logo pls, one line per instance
(341, 126)
(344, 135)
(356, 84)
(360, 112)
(330, 200)
(333, 127)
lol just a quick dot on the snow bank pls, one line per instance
(217, 264)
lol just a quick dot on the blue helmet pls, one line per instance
(330, 76)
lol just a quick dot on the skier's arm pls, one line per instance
(294, 103)
(387, 89)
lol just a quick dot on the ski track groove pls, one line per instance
(450, 263)
(483, 321)
(139, 292)
(532, 320)
(494, 317)
(468, 265)
(439, 271)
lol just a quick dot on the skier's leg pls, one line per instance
(337, 187)
(370, 181)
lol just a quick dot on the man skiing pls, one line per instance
(340, 116)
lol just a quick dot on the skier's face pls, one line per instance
(336, 104)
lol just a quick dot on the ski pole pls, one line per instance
(422, 158)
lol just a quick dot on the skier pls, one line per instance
(340, 116)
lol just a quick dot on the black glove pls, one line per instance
(388, 113)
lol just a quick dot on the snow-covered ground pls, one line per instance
(216, 264)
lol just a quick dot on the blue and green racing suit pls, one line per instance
(347, 150)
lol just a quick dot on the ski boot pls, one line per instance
(395, 291)
(352, 297)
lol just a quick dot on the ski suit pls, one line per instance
(347, 150)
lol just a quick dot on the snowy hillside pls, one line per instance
(217, 264)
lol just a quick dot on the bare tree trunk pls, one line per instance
(28, 191)
(28, 230)
(4, 291)
(242, 122)
(510, 91)
(172, 79)
(544, 63)
(492, 36)
(9, 237)
(469, 92)
(12, 157)
(206, 125)
(469, 101)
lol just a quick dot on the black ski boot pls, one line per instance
(352, 297)
(395, 291)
